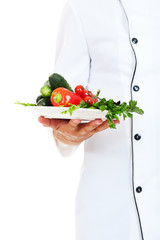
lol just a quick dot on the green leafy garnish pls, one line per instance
(72, 108)
(114, 109)
(25, 104)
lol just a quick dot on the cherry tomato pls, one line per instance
(85, 94)
(88, 99)
(80, 90)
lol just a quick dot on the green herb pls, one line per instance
(25, 104)
(114, 109)
(73, 107)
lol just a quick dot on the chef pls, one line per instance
(114, 46)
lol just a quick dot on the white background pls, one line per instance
(37, 186)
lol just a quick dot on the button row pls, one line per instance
(135, 41)
(137, 136)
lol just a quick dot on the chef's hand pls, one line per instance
(73, 132)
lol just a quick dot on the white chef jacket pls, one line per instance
(114, 46)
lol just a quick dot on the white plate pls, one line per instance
(56, 112)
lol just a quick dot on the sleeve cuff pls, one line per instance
(64, 149)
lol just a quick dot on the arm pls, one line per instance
(72, 58)
(73, 63)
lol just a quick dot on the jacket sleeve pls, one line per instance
(72, 59)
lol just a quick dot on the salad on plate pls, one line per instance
(56, 92)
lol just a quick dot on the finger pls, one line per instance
(103, 126)
(116, 121)
(88, 127)
(53, 123)
(73, 123)
(44, 121)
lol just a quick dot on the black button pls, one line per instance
(136, 88)
(138, 189)
(137, 136)
(134, 40)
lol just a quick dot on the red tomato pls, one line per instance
(88, 99)
(80, 90)
(85, 94)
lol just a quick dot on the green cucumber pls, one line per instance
(47, 83)
(57, 80)
(44, 102)
(38, 98)
(46, 91)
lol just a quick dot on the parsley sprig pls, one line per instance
(25, 104)
(113, 109)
